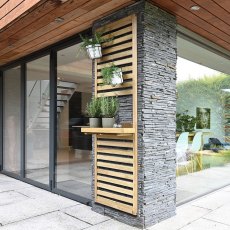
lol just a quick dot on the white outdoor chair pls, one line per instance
(181, 149)
(196, 146)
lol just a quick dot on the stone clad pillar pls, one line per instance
(157, 55)
(157, 111)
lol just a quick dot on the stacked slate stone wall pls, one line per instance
(158, 112)
(156, 115)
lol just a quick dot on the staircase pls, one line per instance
(40, 102)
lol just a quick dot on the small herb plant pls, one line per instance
(107, 74)
(97, 39)
(109, 107)
(93, 108)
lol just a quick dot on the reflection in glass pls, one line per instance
(37, 120)
(203, 130)
(12, 120)
(74, 148)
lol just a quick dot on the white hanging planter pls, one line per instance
(117, 78)
(94, 51)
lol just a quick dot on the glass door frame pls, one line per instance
(52, 52)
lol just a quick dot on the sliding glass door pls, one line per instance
(12, 120)
(44, 103)
(73, 167)
(37, 120)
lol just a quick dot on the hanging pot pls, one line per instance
(117, 78)
(94, 51)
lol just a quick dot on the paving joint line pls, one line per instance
(29, 218)
(78, 219)
(216, 221)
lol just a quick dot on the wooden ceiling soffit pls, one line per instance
(38, 28)
(211, 21)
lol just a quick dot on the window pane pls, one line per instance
(203, 130)
(12, 120)
(37, 120)
(74, 148)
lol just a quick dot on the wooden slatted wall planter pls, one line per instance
(116, 154)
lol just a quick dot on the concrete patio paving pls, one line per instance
(25, 207)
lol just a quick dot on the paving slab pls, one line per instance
(226, 189)
(23, 210)
(51, 199)
(13, 185)
(50, 221)
(185, 215)
(25, 207)
(112, 225)
(213, 201)
(221, 215)
(203, 224)
(85, 213)
(11, 197)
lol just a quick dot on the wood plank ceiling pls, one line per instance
(36, 28)
(211, 21)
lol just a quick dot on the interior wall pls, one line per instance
(63, 127)
(86, 97)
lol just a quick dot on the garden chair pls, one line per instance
(181, 149)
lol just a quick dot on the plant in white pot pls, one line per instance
(109, 109)
(93, 109)
(112, 75)
(93, 45)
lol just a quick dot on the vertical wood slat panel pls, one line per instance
(116, 157)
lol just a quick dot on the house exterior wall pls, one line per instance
(157, 57)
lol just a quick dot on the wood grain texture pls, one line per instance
(114, 204)
(212, 21)
(14, 9)
(36, 27)
(115, 174)
(116, 155)
(28, 25)
(107, 130)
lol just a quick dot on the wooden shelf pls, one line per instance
(108, 130)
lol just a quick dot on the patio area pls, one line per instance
(23, 206)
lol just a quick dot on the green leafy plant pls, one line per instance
(107, 74)
(93, 108)
(185, 122)
(109, 107)
(96, 39)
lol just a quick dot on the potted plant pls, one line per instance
(109, 109)
(112, 75)
(185, 122)
(93, 109)
(93, 45)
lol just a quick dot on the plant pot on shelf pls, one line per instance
(94, 122)
(117, 78)
(94, 51)
(108, 122)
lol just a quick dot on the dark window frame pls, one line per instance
(52, 51)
